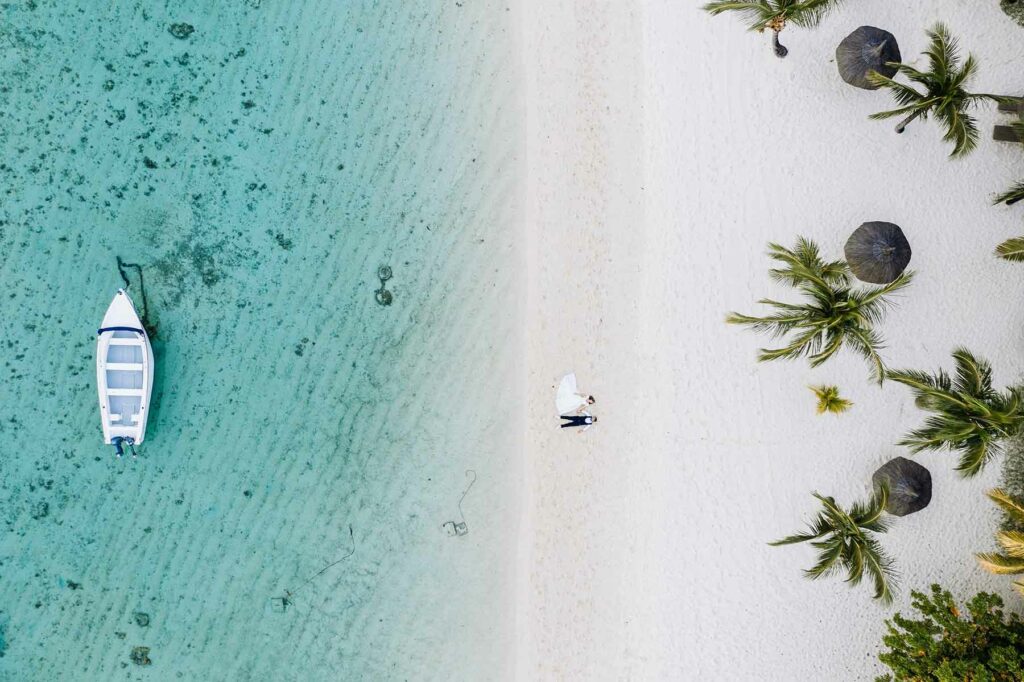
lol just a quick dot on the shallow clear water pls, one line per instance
(260, 169)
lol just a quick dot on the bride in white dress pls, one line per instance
(569, 400)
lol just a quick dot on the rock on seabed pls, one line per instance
(140, 655)
(181, 31)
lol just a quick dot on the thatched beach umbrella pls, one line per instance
(877, 252)
(865, 50)
(910, 486)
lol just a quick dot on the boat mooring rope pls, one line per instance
(286, 601)
(466, 492)
(458, 528)
(121, 266)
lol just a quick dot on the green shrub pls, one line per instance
(986, 645)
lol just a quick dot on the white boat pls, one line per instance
(124, 374)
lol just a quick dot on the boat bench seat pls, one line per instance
(136, 341)
(126, 366)
(124, 391)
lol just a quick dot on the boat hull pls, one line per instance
(124, 372)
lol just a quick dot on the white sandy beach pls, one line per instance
(665, 149)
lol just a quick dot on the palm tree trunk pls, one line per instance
(780, 50)
(902, 125)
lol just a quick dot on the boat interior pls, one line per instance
(124, 370)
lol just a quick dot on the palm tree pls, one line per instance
(834, 314)
(968, 415)
(775, 14)
(829, 400)
(944, 94)
(845, 541)
(1011, 561)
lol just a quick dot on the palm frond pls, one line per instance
(776, 325)
(880, 568)
(999, 564)
(973, 376)
(1009, 504)
(974, 455)
(807, 343)
(870, 512)
(961, 129)
(1011, 561)
(1012, 542)
(966, 72)
(893, 113)
(829, 558)
(809, 13)
(871, 296)
(831, 345)
(756, 14)
(867, 343)
(1012, 249)
(794, 539)
(1012, 195)
(919, 381)
(942, 51)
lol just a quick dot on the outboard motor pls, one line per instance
(116, 442)
(131, 446)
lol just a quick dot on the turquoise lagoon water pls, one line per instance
(260, 161)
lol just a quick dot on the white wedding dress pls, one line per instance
(569, 399)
